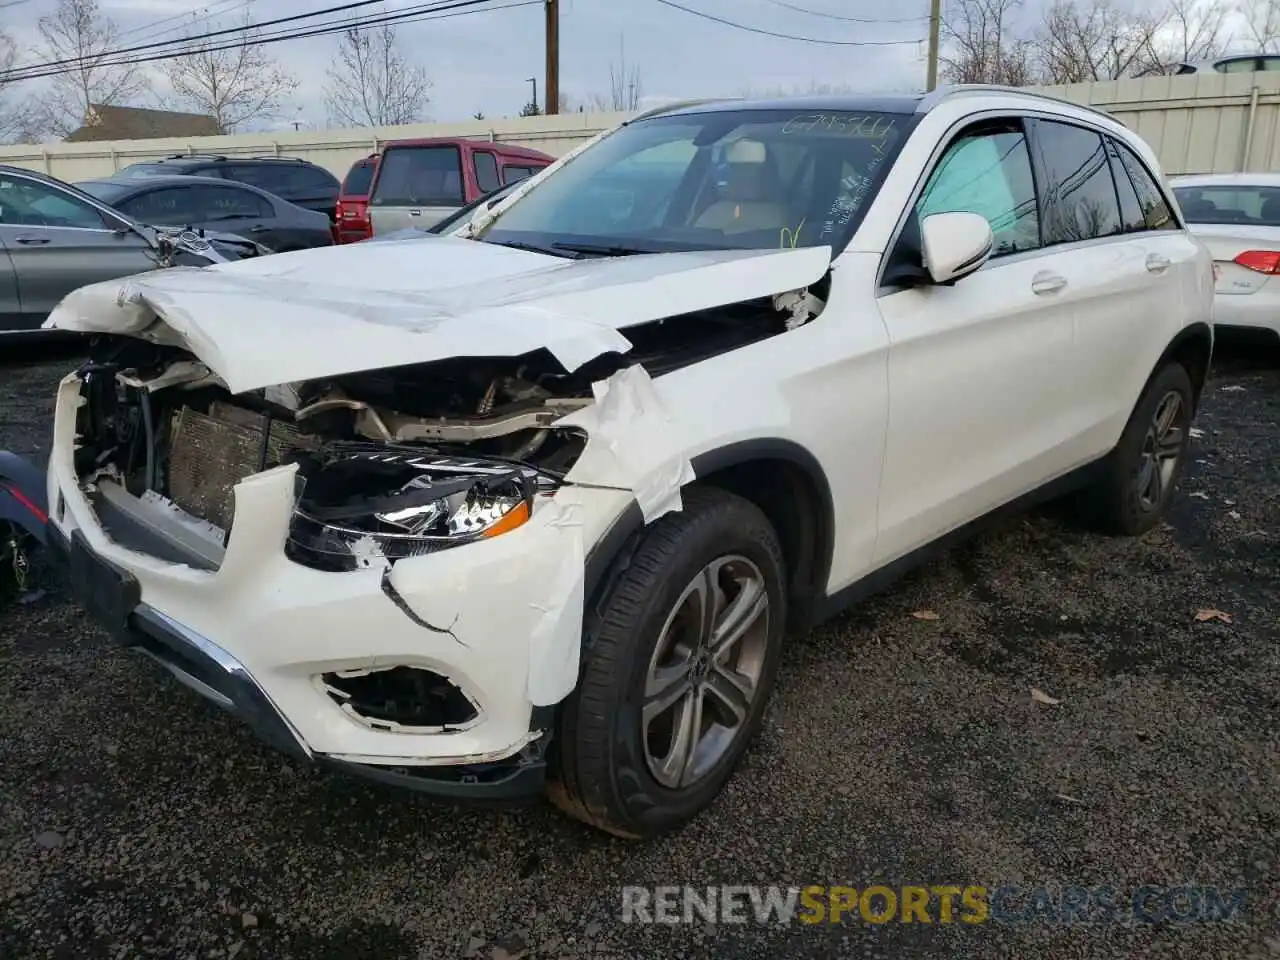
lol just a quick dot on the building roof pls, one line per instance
(105, 122)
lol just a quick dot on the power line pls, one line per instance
(149, 29)
(214, 33)
(788, 36)
(834, 16)
(410, 16)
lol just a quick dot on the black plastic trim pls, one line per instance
(774, 448)
(836, 603)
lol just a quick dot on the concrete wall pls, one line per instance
(335, 150)
(1196, 124)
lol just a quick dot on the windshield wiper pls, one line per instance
(532, 248)
(600, 249)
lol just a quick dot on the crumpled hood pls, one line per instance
(335, 310)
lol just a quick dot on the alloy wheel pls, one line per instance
(704, 674)
(1161, 447)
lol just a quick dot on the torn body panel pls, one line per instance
(291, 624)
(418, 302)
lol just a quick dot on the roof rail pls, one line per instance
(272, 156)
(195, 156)
(946, 92)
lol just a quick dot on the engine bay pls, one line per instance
(392, 462)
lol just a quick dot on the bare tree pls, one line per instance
(18, 118)
(1193, 30)
(979, 45)
(235, 86)
(78, 32)
(1262, 23)
(1097, 40)
(372, 83)
(626, 86)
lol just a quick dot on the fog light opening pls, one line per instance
(401, 699)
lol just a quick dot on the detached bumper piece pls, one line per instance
(111, 597)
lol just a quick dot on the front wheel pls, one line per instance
(675, 682)
(1140, 475)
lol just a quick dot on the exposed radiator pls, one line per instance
(210, 454)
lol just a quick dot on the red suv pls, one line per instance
(352, 217)
(420, 182)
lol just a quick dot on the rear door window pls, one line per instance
(1082, 202)
(227, 203)
(486, 166)
(419, 176)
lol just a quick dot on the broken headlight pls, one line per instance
(373, 504)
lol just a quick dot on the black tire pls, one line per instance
(599, 772)
(1116, 504)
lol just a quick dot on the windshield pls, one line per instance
(744, 179)
(358, 179)
(1249, 205)
(104, 190)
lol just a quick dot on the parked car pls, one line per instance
(1231, 63)
(537, 508)
(421, 181)
(1237, 216)
(55, 238)
(299, 181)
(211, 204)
(353, 201)
(453, 221)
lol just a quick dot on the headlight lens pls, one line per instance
(371, 504)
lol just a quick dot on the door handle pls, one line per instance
(1157, 263)
(258, 228)
(32, 241)
(1045, 283)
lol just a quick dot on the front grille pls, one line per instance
(210, 453)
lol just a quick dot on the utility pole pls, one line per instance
(935, 28)
(553, 57)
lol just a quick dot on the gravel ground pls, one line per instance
(138, 821)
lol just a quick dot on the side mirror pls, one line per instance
(954, 245)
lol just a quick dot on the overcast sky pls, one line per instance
(482, 61)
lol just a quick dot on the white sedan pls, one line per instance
(1237, 215)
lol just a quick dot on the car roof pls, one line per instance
(874, 103)
(507, 149)
(1227, 180)
(175, 180)
(188, 159)
(903, 104)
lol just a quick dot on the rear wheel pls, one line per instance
(675, 683)
(15, 560)
(1141, 473)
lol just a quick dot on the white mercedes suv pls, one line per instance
(534, 506)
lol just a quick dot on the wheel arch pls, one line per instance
(1192, 347)
(780, 477)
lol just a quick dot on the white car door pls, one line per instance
(1128, 263)
(980, 388)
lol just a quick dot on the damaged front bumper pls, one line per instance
(291, 649)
